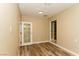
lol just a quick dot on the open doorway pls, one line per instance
(53, 31)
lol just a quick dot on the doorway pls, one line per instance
(53, 31)
(26, 33)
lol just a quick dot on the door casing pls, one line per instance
(50, 30)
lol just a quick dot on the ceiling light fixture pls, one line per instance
(40, 12)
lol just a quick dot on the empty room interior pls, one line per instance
(39, 29)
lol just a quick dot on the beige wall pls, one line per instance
(68, 28)
(9, 17)
(40, 28)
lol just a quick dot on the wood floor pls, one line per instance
(43, 49)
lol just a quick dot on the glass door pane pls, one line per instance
(26, 33)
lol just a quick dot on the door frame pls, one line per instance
(23, 33)
(50, 29)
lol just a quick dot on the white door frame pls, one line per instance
(23, 33)
(50, 29)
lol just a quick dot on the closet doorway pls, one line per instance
(53, 31)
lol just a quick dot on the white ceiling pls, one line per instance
(49, 9)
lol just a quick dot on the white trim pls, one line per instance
(39, 42)
(73, 53)
(20, 24)
(35, 43)
(23, 32)
(50, 28)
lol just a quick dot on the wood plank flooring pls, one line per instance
(43, 49)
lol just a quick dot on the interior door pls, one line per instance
(26, 33)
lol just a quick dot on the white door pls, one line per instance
(26, 33)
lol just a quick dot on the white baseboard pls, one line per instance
(39, 42)
(73, 53)
(34, 43)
